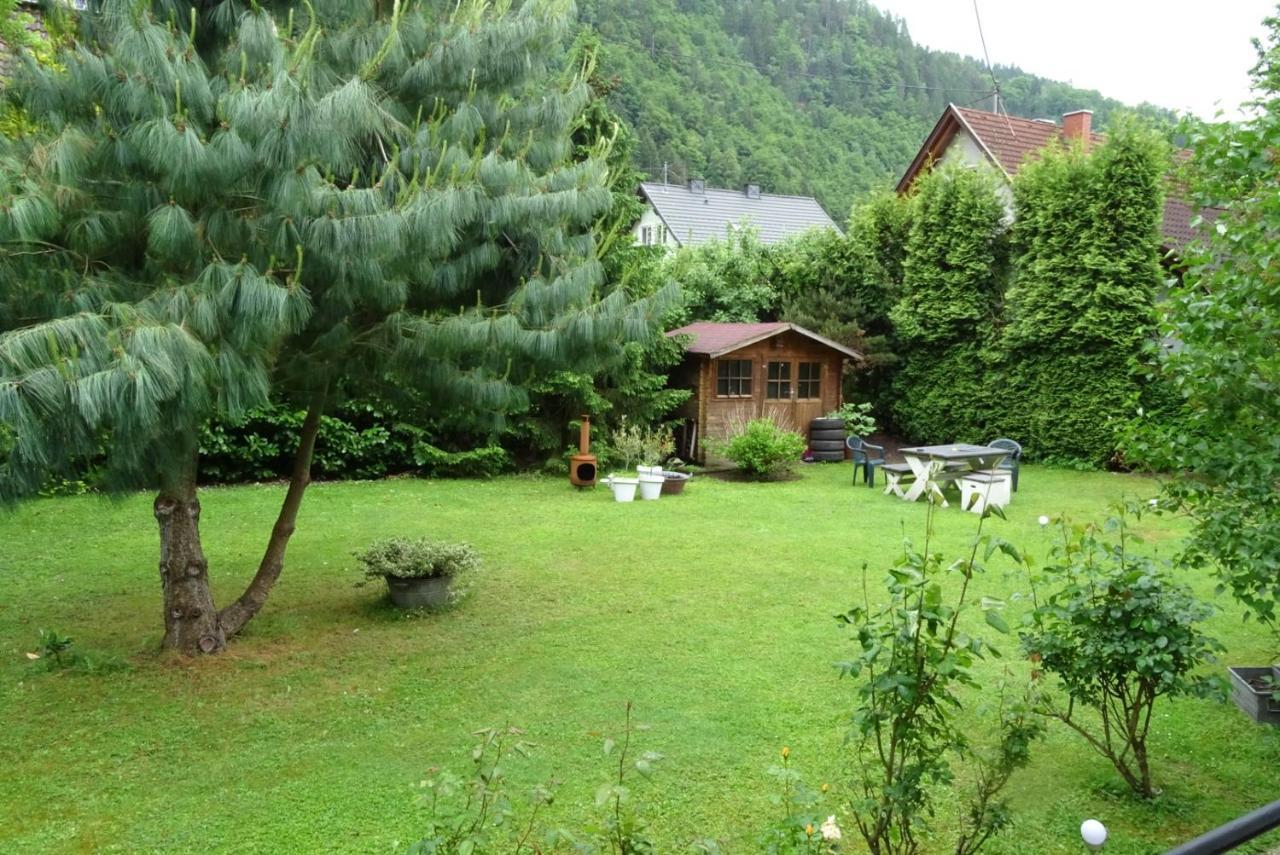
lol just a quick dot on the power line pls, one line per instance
(913, 87)
(994, 82)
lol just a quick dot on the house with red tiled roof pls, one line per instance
(1007, 142)
(740, 372)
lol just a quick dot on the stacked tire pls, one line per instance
(826, 439)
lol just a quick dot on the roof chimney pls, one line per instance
(697, 185)
(752, 191)
(1075, 126)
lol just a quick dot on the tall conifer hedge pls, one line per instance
(953, 278)
(1080, 310)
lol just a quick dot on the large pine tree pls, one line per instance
(228, 201)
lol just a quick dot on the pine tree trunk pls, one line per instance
(190, 621)
(235, 616)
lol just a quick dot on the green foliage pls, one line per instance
(1224, 368)
(761, 448)
(633, 388)
(53, 646)
(58, 653)
(802, 830)
(801, 96)
(951, 296)
(362, 439)
(883, 222)
(475, 463)
(1121, 635)
(479, 816)
(631, 444)
(857, 418)
(833, 284)
(981, 362)
(417, 559)
(20, 39)
(951, 272)
(906, 732)
(451, 249)
(730, 280)
(829, 283)
(1081, 303)
(476, 814)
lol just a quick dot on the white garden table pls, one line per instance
(938, 465)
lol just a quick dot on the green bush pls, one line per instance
(632, 444)
(417, 559)
(762, 449)
(476, 463)
(857, 418)
(361, 439)
(1120, 634)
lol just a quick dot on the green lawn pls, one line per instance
(711, 611)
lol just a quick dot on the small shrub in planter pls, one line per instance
(420, 572)
(762, 449)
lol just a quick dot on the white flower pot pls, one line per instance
(624, 489)
(651, 484)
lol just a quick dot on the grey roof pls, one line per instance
(694, 218)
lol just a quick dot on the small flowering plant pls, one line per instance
(802, 829)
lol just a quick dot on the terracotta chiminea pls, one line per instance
(582, 466)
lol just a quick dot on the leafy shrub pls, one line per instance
(1120, 635)
(802, 830)
(914, 656)
(635, 387)
(724, 280)
(479, 816)
(476, 463)
(1224, 314)
(416, 559)
(857, 418)
(761, 448)
(632, 444)
(361, 439)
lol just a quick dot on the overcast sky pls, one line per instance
(1183, 54)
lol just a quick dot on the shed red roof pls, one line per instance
(1010, 141)
(717, 339)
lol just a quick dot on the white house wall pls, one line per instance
(650, 220)
(964, 149)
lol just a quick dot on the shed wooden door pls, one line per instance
(794, 390)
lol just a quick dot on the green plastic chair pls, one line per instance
(865, 457)
(1012, 461)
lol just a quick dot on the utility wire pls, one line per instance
(995, 83)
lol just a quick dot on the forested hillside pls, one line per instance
(817, 97)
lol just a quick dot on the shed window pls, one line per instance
(646, 235)
(733, 378)
(809, 383)
(779, 382)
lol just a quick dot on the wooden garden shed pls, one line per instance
(739, 372)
